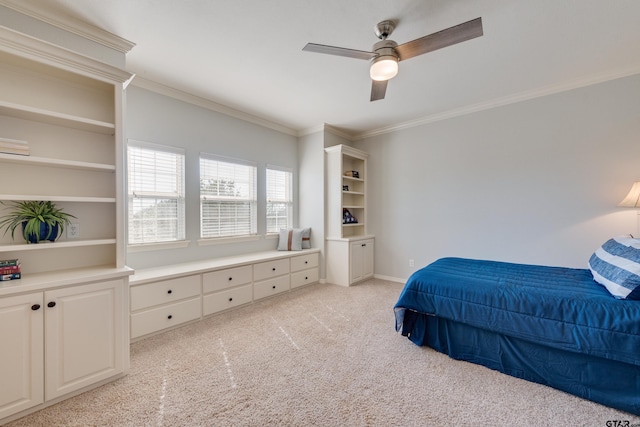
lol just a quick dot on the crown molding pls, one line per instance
(153, 86)
(35, 49)
(72, 25)
(506, 100)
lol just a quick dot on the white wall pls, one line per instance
(159, 119)
(311, 194)
(533, 182)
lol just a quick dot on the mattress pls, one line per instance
(563, 308)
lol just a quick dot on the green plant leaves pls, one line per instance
(31, 213)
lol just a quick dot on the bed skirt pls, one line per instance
(611, 383)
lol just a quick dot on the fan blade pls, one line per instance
(450, 36)
(340, 51)
(378, 89)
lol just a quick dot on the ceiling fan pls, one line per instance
(386, 54)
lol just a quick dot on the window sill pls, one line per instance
(224, 240)
(158, 246)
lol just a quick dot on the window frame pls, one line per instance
(179, 238)
(251, 199)
(286, 200)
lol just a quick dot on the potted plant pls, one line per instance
(41, 220)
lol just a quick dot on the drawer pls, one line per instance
(269, 269)
(165, 291)
(305, 277)
(270, 287)
(223, 300)
(166, 316)
(223, 279)
(303, 262)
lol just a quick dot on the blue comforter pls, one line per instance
(558, 307)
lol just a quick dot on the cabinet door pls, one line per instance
(21, 353)
(361, 260)
(355, 259)
(367, 258)
(83, 336)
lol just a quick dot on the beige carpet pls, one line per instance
(322, 355)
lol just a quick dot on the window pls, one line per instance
(279, 199)
(227, 197)
(156, 193)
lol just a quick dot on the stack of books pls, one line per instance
(10, 269)
(14, 146)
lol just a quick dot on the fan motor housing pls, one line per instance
(385, 48)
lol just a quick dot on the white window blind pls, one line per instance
(279, 199)
(156, 193)
(227, 197)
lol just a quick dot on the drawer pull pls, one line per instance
(230, 299)
(274, 269)
(35, 307)
(306, 278)
(169, 317)
(230, 278)
(306, 262)
(274, 286)
(169, 291)
(51, 304)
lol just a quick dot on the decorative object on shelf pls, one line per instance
(345, 188)
(10, 269)
(353, 174)
(347, 218)
(41, 220)
(14, 146)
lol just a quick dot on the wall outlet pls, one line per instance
(73, 231)
(411, 263)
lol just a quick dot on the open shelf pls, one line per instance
(44, 161)
(55, 118)
(55, 245)
(58, 198)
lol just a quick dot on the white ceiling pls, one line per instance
(247, 54)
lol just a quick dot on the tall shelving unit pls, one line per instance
(64, 324)
(71, 121)
(349, 247)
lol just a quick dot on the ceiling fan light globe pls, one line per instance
(383, 68)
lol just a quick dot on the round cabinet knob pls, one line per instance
(274, 286)
(274, 269)
(230, 299)
(306, 262)
(51, 304)
(35, 307)
(306, 278)
(169, 317)
(169, 291)
(230, 278)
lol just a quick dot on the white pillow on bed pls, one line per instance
(616, 266)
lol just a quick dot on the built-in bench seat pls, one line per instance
(165, 297)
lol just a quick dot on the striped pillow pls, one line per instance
(290, 239)
(616, 266)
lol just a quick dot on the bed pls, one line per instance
(551, 325)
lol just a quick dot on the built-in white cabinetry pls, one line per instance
(163, 304)
(22, 353)
(55, 342)
(164, 297)
(360, 260)
(226, 288)
(64, 324)
(347, 260)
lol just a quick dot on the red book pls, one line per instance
(10, 269)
